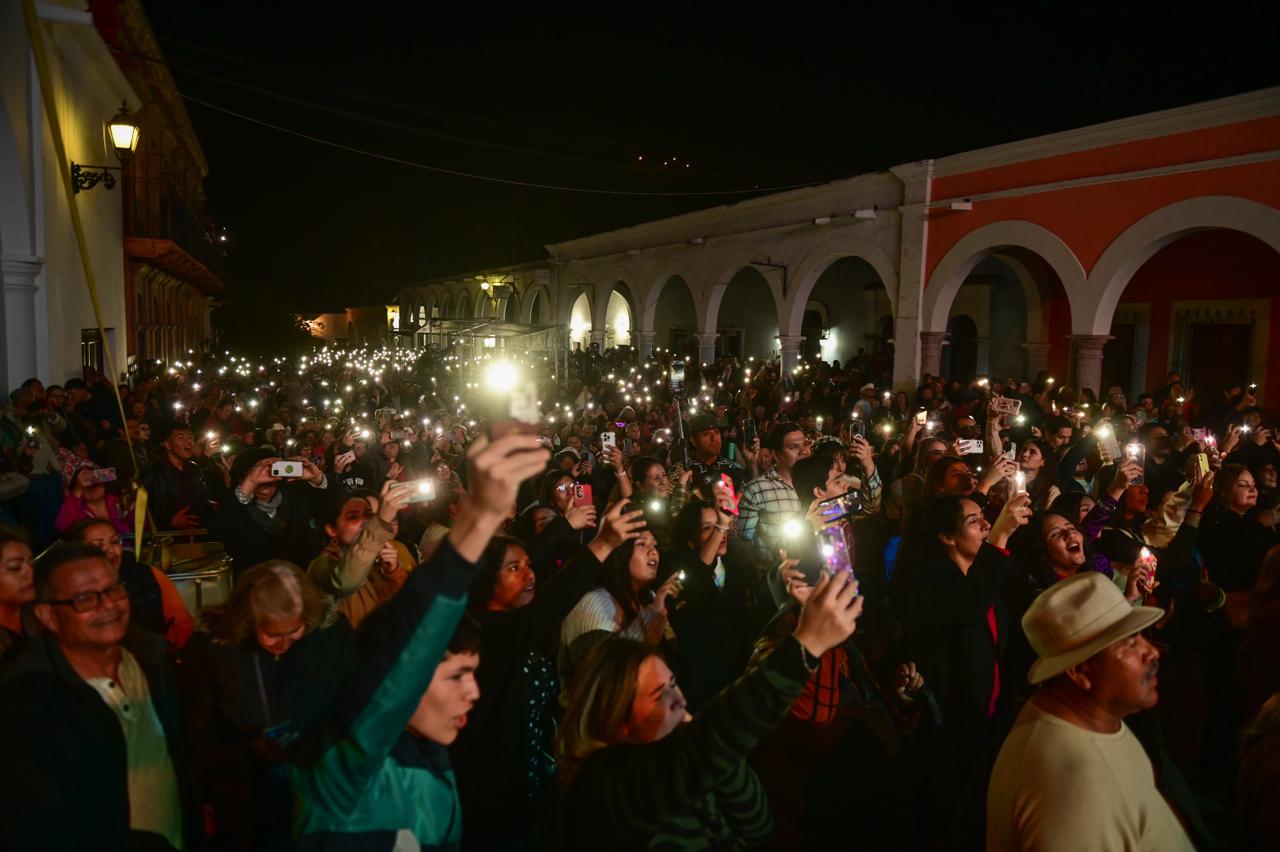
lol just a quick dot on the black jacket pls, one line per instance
(169, 489)
(251, 537)
(65, 783)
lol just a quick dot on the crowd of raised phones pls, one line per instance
(781, 610)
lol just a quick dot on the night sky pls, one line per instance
(557, 96)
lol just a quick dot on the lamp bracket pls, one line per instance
(87, 177)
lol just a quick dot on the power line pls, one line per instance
(490, 178)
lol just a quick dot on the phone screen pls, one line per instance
(835, 550)
(582, 495)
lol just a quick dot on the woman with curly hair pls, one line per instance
(263, 672)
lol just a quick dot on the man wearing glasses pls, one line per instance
(90, 720)
(770, 500)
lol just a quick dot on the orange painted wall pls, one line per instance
(1089, 218)
(1210, 265)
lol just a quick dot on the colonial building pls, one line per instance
(147, 234)
(1107, 255)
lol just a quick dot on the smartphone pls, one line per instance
(620, 424)
(969, 447)
(517, 414)
(835, 551)
(1200, 435)
(922, 417)
(640, 507)
(345, 458)
(103, 474)
(677, 377)
(1202, 464)
(1108, 444)
(399, 434)
(857, 427)
(840, 507)
(1012, 453)
(582, 495)
(748, 431)
(725, 486)
(1135, 451)
(288, 469)
(1019, 483)
(609, 440)
(420, 491)
(1005, 405)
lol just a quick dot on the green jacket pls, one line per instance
(368, 779)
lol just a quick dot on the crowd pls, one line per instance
(480, 603)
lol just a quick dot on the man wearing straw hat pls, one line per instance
(1071, 774)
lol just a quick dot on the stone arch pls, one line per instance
(1140, 241)
(649, 300)
(971, 249)
(723, 273)
(509, 308)
(805, 274)
(532, 296)
(464, 306)
(446, 306)
(606, 280)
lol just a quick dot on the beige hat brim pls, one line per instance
(1136, 621)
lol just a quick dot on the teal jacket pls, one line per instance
(366, 778)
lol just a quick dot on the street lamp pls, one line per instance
(124, 130)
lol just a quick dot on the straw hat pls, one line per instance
(1076, 618)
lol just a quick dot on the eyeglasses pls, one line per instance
(89, 601)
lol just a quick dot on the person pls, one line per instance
(93, 745)
(638, 770)
(380, 776)
(359, 542)
(770, 500)
(1093, 669)
(502, 757)
(17, 586)
(1258, 779)
(267, 517)
(176, 490)
(706, 462)
(1232, 540)
(87, 497)
(617, 606)
(440, 515)
(955, 629)
(154, 601)
(263, 672)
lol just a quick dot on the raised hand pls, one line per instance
(615, 528)
(830, 615)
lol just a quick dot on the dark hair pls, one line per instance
(1226, 480)
(467, 636)
(938, 473)
(75, 533)
(57, 556)
(810, 473)
(12, 535)
(1048, 475)
(490, 564)
(171, 426)
(1068, 505)
(246, 460)
(547, 485)
(776, 436)
(687, 526)
(74, 384)
(1056, 422)
(939, 517)
(333, 508)
(639, 467)
(615, 578)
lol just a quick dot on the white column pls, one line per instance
(597, 337)
(914, 239)
(1087, 362)
(644, 343)
(790, 346)
(931, 343)
(19, 282)
(707, 347)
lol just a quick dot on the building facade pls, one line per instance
(141, 251)
(1107, 255)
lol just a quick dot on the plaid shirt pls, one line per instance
(767, 503)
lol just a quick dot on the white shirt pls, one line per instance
(1056, 786)
(154, 802)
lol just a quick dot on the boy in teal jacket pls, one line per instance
(381, 778)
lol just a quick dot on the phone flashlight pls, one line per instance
(792, 528)
(1020, 483)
